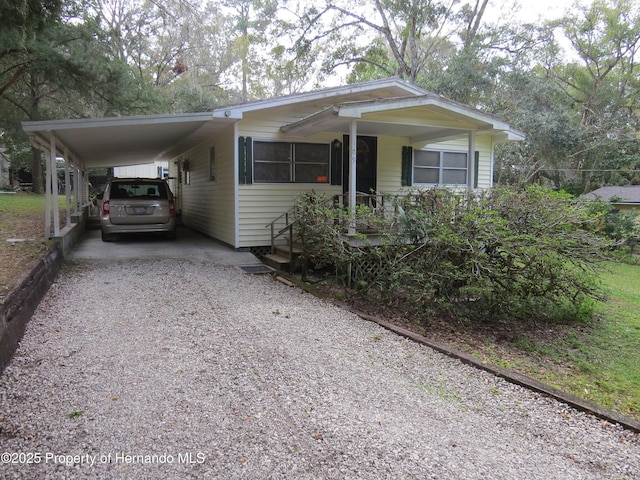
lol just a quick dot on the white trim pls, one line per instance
(238, 111)
(236, 187)
(48, 125)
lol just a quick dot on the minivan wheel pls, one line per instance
(106, 237)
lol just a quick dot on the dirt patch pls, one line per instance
(21, 241)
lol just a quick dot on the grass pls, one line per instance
(598, 361)
(21, 218)
(604, 359)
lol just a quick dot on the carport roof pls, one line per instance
(390, 106)
(117, 141)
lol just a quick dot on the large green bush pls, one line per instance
(526, 254)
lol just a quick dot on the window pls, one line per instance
(439, 167)
(283, 162)
(138, 189)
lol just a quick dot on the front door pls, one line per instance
(366, 164)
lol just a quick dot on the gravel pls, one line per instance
(187, 369)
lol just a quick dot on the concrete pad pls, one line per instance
(188, 244)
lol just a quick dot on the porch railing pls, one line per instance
(382, 206)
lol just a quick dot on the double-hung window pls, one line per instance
(284, 162)
(433, 167)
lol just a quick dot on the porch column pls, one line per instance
(76, 189)
(471, 155)
(67, 185)
(353, 153)
(47, 194)
(54, 188)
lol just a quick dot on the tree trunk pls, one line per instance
(36, 170)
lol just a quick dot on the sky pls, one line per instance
(531, 10)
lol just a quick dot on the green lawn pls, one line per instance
(20, 203)
(601, 362)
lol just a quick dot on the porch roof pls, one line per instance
(424, 118)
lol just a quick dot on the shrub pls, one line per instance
(503, 254)
(525, 254)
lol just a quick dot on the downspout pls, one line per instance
(236, 189)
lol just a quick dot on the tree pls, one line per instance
(603, 86)
(54, 65)
(23, 45)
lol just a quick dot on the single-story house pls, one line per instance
(623, 198)
(237, 168)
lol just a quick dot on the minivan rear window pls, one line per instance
(121, 190)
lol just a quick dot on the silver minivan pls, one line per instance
(137, 205)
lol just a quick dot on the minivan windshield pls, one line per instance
(121, 190)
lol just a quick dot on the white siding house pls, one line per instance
(237, 205)
(236, 169)
(147, 170)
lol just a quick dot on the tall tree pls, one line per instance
(603, 84)
(24, 47)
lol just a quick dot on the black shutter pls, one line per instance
(476, 163)
(248, 179)
(245, 160)
(336, 163)
(407, 166)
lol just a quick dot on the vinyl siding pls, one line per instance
(261, 203)
(208, 206)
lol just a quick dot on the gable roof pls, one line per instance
(410, 116)
(118, 141)
(617, 194)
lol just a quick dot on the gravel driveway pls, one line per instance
(179, 369)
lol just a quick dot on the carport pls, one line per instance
(110, 142)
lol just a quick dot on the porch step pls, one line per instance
(283, 250)
(280, 259)
(277, 261)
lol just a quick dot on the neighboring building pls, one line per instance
(622, 198)
(148, 170)
(239, 167)
(5, 181)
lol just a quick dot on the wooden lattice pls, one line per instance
(370, 265)
(260, 252)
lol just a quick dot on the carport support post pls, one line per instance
(54, 189)
(67, 185)
(51, 192)
(76, 189)
(47, 196)
(353, 155)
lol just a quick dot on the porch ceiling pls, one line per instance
(119, 141)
